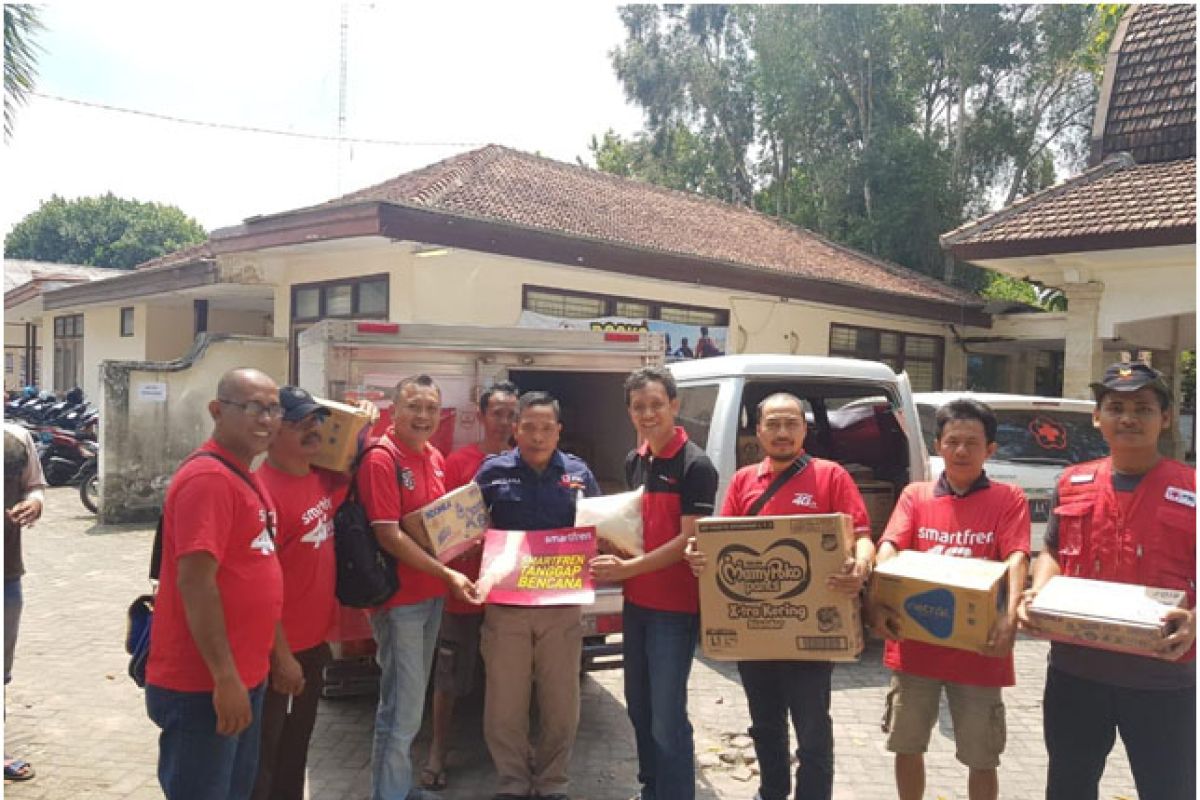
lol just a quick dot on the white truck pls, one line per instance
(586, 370)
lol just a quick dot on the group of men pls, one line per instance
(247, 594)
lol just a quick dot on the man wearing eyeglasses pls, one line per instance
(219, 602)
(775, 689)
(403, 475)
(305, 499)
(1127, 518)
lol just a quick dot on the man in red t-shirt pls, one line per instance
(219, 602)
(661, 617)
(775, 689)
(963, 514)
(305, 500)
(458, 641)
(403, 475)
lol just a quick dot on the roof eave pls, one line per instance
(1117, 240)
(136, 283)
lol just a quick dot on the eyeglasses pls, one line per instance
(254, 408)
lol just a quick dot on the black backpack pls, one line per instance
(366, 573)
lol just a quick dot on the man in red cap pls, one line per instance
(1127, 518)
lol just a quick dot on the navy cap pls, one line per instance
(1129, 376)
(298, 404)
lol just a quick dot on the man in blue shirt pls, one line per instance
(533, 487)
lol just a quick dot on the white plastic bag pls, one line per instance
(617, 519)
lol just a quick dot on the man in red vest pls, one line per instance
(1128, 518)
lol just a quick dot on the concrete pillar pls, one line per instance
(1083, 360)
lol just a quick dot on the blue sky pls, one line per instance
(534, 76)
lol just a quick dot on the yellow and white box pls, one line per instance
(450, 525)
(940, 599)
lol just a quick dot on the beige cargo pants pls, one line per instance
(523, 648)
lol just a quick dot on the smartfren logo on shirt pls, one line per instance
(956, 543)
(322, 530)
(265, 541)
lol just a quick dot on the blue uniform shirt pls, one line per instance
(520, 499)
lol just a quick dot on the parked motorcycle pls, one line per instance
(63, 455)
(89, 483)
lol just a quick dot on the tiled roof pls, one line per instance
(1115, 197)
(499, 184)
(196, 252)
(1152, 104)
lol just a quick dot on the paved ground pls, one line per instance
(76, 716)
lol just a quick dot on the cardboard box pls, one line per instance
(1109, 616)
(943, 600)
(749, 451)
(450, 525)
(880, 499)
(339, 436)
(763, 594)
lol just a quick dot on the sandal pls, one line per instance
(432, 779)
(17, 770)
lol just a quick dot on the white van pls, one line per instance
(1036, 438)
(860, 414)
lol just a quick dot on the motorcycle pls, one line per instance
(89, 483)
(62, 456)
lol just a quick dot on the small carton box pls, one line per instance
(339, 436)
(943, 600)
(1123, 617)
(450, 525)
(763, 593)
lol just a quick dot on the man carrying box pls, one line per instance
(458, 639)
(793, 483)
(963, 514)
(661, 617)
(533, 487)
(1128, 518)
(403, 475)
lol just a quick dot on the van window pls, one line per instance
(1033, 436)
(696, 405)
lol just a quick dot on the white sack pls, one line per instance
(616, 517)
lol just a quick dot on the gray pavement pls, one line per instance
(75, 715)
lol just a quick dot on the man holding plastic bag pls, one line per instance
(661, 618)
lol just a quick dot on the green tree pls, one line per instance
(879, 126)
(105, 231)
(21, 25)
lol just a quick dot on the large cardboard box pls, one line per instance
(880, 499)
(339, 436)
(1109, 616)
(763, 594)
(450, 525)
(941, 599)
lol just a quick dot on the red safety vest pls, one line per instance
(1152, 543)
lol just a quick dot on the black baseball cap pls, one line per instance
(298, 404)
(1129, 376)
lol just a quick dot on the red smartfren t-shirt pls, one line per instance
(305, 505)
(821, 487)
(990, 521)
(208, 509)
(461, 466)
(394, 481)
